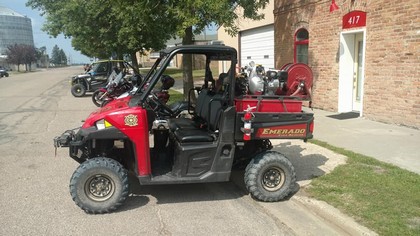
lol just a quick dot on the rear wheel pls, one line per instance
(99, 185)
(270, 177)
(105, 102)
(78, 90)
(97, 98)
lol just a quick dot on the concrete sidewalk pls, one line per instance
(389, 143)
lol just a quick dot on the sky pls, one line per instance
(41, 38)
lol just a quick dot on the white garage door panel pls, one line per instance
(258, 45)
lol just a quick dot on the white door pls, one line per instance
(351, 71)
(258, 45)
(358, 72)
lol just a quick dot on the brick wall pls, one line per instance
(392, 60)
(392, 84)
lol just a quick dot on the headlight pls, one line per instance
(102, 124)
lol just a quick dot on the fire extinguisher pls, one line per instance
(247, 119)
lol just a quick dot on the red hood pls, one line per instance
(101, 113)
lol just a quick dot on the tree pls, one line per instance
(100, 28)
(194, 16)
(29, 56)
(21, 54)
(42, 56)
(55, 55)
(58, 57)
(63, 58)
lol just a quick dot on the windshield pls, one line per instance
(150, 75)
(99, 67)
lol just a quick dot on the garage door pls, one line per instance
(258, 45)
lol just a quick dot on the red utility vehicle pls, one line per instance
(136, 134)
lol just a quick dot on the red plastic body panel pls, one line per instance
(132, 121)
(276, 125)
(271, 104)
(283, 131)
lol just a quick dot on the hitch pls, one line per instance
(64, 139)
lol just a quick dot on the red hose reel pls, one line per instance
(299, 81)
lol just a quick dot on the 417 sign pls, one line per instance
(354, 19)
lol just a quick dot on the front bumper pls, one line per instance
(81, 141)
(73, 140)
(64, 139)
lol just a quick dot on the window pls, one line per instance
(154, 55)
(301, 46)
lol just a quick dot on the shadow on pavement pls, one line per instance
(141, 195)
(306, 165)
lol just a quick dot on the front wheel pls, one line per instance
(78, 90)
(98, 98)
(270, 177)
(99, 185)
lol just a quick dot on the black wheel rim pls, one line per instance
(99, 188)
(273, 179)
(98, 97)
(78, 90)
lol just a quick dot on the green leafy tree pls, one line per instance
(194, 15)
(63, 58)
(55, 55)
(58, 57)
(101, 28)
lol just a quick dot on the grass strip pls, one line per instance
(381, 196)
(175, 96)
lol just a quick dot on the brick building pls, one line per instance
(364, 55)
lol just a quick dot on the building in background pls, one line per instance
(14, 29)
(364, 54)
(255, 41)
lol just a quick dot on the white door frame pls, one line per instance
(345, 75)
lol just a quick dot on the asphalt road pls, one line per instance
(34, 192)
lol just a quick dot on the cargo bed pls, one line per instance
(274, 117)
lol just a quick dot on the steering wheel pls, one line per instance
(158, 106)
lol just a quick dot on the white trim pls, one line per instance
(345, 74)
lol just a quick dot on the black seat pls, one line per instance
(211, 114)
(199, 112)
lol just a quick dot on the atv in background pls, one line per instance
(98, 76)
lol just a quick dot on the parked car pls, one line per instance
(3, 72)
